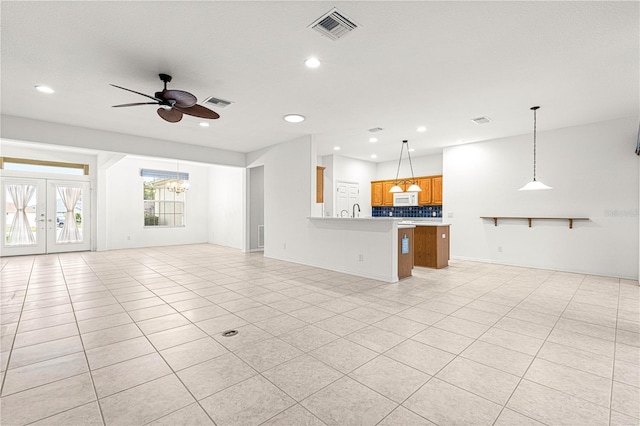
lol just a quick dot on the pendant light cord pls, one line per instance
(400, 161)
(535, 109)
(410, 163)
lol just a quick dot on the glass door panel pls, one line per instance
(68, 219)
(23, 216)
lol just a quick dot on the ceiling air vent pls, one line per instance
(220, 103)
(333, 24)
(375, 129)
(481, 120)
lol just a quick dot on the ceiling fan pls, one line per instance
(173, 103)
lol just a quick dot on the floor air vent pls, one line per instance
(333, 25)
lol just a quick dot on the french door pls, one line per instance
(45, 216)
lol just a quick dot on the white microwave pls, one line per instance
(401, 199)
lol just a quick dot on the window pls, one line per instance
(39, 166)
(164, 197)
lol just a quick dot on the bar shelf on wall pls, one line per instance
(530, 219)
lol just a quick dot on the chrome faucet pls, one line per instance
(346, 211)
(353, 210)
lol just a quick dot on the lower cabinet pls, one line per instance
(431, 246)
(405, 252)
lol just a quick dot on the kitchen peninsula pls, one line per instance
(366, 247)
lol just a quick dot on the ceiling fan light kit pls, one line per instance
(534, 185)
(172, 104)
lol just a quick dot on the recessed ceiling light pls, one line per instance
(421, 129)
(374, 156)
(45, 89)
(203, 124)
(312, 63)
(373, 140)
(294, 118)
(336, 148)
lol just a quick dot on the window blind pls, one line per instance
(163, 174)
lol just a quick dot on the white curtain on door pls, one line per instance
(20, 233)
(70, 232)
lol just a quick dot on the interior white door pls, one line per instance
(342, 199)
(68, 216)
(347, 194)
(23, 216)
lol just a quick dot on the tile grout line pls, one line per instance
(455, 356)
(615, 346)
(536, 356)
(173, 373)
(15, 336)
(86, 358)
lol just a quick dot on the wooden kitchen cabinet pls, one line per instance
(430, 195)
(431, 246)
(377, 198)
(387, 197)
(424, 196)
(436, 194)
(320, 184)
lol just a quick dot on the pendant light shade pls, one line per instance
(413, 187)
(534, 185)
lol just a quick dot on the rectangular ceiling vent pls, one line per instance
(333, 24)
(375, 129)
(481, 120)
(220, 103)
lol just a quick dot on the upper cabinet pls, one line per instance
(424, 196)
(387, 197)
(436, 193)
(376, 194)
(320, 184)
(431, 193)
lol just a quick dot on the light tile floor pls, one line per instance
(133, 337)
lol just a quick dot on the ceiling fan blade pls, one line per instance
(133, 91)
(183, 99)
(199, 111)
(171, 115)
(135, 104)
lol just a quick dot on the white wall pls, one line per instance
(25, 129)
(345, 169)
(125, 213)
(426, 165)
(256, 205)
(329, 186)
(594, 173)
(226, 201)
(289, 194)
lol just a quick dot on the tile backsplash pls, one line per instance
(415, 211)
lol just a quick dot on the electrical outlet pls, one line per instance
(284, 246)
(360, 257)
(450, 214)
(128, 237)
(499, 249)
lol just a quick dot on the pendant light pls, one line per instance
(413, 187)
(534, 185)
(178, 185)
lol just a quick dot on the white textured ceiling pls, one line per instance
(437, 64)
